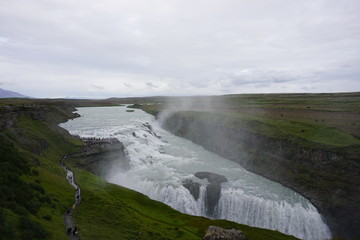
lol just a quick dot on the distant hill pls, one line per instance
(9, 94)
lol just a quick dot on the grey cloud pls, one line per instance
(262, 85)
(263, 76)
(97, 87)
(127, 85)
(202, 83)
(151, 85)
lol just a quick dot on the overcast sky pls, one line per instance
(120, 48)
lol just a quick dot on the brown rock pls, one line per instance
(218, 233)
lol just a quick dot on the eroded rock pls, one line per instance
(211, 177)
(213, 193)
(218, 233)
(102, 156)
(193, 187)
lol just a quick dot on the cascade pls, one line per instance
(161, 162)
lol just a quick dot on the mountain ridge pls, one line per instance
(10, 94)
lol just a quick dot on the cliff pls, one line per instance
(326, 175)
(101, 156)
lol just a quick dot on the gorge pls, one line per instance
(160, 162)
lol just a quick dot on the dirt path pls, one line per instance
(71, 228)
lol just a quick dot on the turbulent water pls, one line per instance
(160, 162)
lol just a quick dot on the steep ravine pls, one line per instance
(329, 179)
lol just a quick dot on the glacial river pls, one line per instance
(160, 162)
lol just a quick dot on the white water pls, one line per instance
(159, 165)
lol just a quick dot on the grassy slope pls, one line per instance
(48, 174)
(340, 110)
(310, 133)
(106, 212)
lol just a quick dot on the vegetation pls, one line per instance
(19, 199)
(309, 134)
(34, 192)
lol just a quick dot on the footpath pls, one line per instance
(71, 228)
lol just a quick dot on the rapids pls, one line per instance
(161, 161)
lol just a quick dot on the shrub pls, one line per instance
(31, 230)
(47, 218)
(37, 187)
(35, 172)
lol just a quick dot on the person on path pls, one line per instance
(71, 231)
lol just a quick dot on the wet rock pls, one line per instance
(193, 187)
(75, 115)
(213, 193)
(213, 190)
(148, 126)
(150, 129)
(218, 233)
(211, 177)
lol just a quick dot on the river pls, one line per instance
(161, 161)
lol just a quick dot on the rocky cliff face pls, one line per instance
(101, 156)
(213, 189)
(328, 178)
(11, 115)
(97, 156)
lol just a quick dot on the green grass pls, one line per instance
(306, 134)
(36, 197)
(39, 149)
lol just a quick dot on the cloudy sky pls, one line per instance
(96, 49)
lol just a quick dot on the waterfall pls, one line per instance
(160, 162)
(302, 221)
